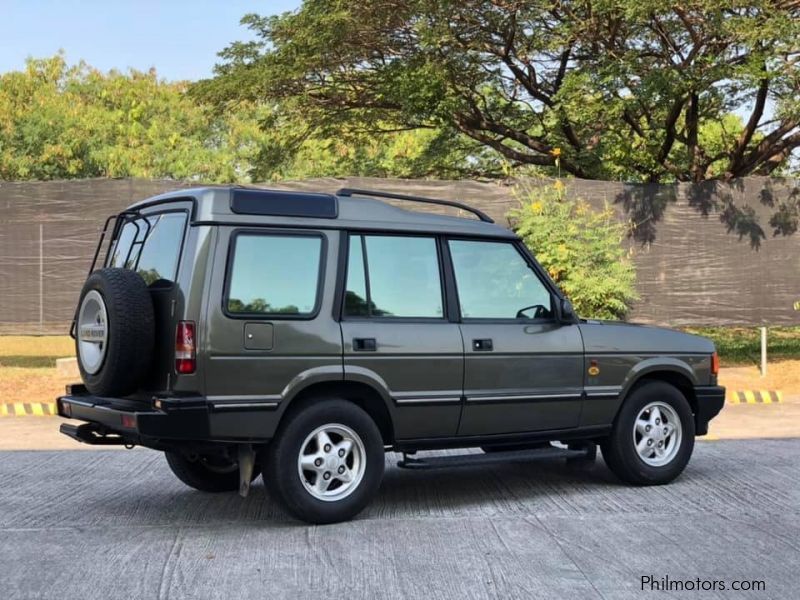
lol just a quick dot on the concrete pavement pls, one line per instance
(117, 524)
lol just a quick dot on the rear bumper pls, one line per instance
(121, 421)
(710, 400)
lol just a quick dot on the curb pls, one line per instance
(28, 409)
(755, 397)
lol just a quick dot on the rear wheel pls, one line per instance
(326, 462)
(207, 473)
(653, 435)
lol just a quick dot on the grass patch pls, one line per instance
(34, 351)
(742, 345)
(31, 362)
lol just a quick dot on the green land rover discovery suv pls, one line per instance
(300, 336)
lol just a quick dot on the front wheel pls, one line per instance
(653, 435)
(326, 462)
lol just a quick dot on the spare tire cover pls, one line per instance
(114, 332)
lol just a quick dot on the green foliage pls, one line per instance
(59, 121)
(742, 345)
(581, 248)
(639, 90)
(293, 148)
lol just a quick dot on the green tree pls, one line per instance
(581, 248)
(296, 148)
(60, 121)
(640, 90)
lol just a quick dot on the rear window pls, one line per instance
(151, 246)
(274, 274)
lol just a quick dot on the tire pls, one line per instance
(114, 332)
(207, 474)
(300, 434)
(620, 448)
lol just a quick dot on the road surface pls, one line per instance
(116, 524)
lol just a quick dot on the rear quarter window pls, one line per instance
(151, 246)
(274, 274)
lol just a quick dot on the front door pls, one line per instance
(396, 334)
(523, 369)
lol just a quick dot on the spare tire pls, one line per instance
(114, 332)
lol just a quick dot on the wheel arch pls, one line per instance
(679, 377)
(359, 393)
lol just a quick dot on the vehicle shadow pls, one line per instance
(522, 488)
(480, 489)
(487, 488)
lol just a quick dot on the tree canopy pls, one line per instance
(640, 90)
(60, 121)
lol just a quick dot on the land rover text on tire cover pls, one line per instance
(300, 336)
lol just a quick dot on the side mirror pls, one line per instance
(567, 312)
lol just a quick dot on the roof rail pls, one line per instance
(357, 192)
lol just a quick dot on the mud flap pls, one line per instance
(247, 461)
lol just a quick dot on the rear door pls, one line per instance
(151, 245)
(523, 369)
(396, 332)
(268, 323)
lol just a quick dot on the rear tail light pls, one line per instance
(185, 356)
(714, 363)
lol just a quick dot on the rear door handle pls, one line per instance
(484, 345)
(364, 345)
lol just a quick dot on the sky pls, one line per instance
(180, 38)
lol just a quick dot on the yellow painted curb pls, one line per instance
(28, 409)
(754, 397)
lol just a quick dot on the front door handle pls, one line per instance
(364, 345)
(484, 345)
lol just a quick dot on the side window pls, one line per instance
(274, 274)
(393, 276)
(495, 282)
(151, 245)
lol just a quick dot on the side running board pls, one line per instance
(587, 453)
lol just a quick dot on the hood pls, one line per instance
(617, 336)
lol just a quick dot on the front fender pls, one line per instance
(655, 364)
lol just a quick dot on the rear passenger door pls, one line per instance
(523, 368)
(269, 322)
(396, 332)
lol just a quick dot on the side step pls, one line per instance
(88, 433)
(587, 453)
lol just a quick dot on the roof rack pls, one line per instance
(357, 192)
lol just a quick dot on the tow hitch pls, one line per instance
(93, 434)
